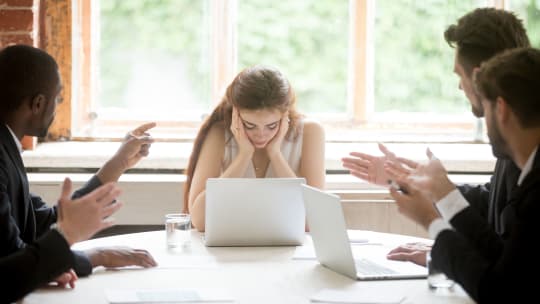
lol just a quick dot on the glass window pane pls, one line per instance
(413, 63)
(529, 12)
(306, 40)
(153, 55)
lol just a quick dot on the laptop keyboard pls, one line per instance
(367, 267)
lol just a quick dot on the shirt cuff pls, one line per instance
(437, 226)
(451, 204)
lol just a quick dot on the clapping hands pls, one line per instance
(372, 168)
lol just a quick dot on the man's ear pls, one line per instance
(38, 104)
(502, 109)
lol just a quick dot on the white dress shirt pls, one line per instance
(17, 141)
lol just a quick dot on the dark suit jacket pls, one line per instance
(26, 216)
(35, 265)
(488, 201)
(494, 269)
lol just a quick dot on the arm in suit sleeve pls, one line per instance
(10, 240)
(35, 265)
(83, 267)
(477, 196)
(46, 216)
(9, 232)
(494, 271)
(90, 186)
(495, 193)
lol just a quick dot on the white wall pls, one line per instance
(148, 197)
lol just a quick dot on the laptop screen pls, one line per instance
(254, 212)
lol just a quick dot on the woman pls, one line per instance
(255, 131)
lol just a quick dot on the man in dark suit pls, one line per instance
(49, 256)
(490, 268)
(477, 36)
(29, 88)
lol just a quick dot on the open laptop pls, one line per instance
(254, 212)
(333, 250)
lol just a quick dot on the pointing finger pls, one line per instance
(141, 130)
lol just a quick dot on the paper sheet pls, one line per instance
(336, 296)
(127, 296)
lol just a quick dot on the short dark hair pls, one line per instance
(484, 32)
(25, 72)
(515, 76)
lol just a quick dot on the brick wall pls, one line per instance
(17, 21)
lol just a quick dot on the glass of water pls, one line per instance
(178, 229)
(436, 278)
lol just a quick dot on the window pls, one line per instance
(414, 64)
(148, 61)
(363, 67)
(529, 12)
(307, 40)
(152, 55)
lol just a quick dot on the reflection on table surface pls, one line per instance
(248, 274)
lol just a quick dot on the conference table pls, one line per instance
(278, 274)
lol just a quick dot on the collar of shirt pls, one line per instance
(528, 166)
(17, 141)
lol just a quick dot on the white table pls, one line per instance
(250, 274)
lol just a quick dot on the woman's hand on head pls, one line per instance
(237, 129)
(274, 146)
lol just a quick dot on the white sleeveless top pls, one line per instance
(291, 150)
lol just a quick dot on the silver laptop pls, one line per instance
(333, 250)
(254, 212)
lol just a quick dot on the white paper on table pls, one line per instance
(130, 296)
(336, 296)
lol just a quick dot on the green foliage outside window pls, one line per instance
(306, 39)
(158, 33)
(529, 12)
(413, 62)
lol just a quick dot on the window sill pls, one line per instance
(50, 163)
(173, 157)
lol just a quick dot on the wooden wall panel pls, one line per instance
(55, 38)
